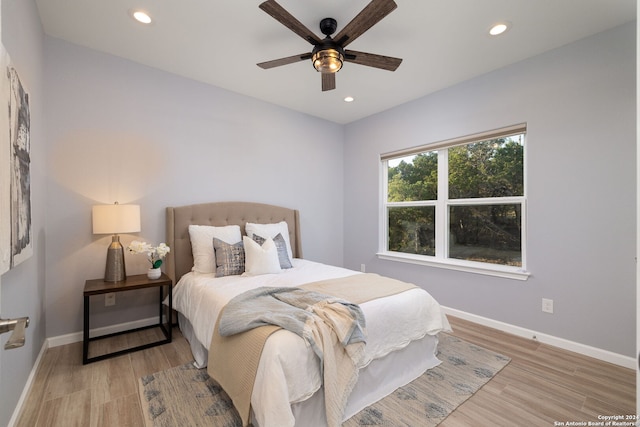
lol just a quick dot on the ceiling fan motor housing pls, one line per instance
(328, 26)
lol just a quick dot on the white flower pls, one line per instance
(154, 254)
(140, 247)
(162, 250)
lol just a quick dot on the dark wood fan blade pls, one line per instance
(367, 18)
(328, 81)
(372, 60)
(289, 21)
(284, 61)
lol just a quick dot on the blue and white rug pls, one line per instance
(186, 396)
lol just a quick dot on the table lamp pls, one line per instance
(114, 219)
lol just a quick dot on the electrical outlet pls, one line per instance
(363, 268)
(109, 299)
(547, 305)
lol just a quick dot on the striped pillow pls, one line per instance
(229, 258)
(281, 246)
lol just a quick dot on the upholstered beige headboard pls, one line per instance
(180, 259)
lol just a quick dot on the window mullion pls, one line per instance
(487, 201)
(442, 217)
(383, 234)
(412, 203)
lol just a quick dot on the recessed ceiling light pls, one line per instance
(499, 28)
(349, 99)
(141, 16)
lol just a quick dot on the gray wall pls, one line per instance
(579, 104)
(23, 288)
(117, 130)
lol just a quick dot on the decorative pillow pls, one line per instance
(202, 248)
(260, 259)
(229, 258)
(281, 245)
(271, 230)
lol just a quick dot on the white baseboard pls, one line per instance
(69, 339)
(121, 327)
(597, 353)
(27, 387)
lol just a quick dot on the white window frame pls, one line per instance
(442, 205)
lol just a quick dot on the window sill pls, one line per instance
(507, 272)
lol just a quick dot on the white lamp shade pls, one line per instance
(115, 219)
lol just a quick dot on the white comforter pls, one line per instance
(288, 371)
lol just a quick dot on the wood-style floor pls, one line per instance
(540, 386)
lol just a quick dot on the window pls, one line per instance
(458, 204)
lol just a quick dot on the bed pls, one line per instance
(288, 387)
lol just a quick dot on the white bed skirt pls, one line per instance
(377, 380)
(200, 352)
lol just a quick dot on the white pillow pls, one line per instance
(204, 260)
(260, 259)
(270, 230)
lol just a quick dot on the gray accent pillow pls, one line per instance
(281, 246)
(229, 258)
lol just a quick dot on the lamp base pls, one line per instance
(115, 270)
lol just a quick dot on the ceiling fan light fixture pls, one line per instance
(327, 60)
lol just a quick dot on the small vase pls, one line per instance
(154, 273)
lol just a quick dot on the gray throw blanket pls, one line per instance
(333, 327)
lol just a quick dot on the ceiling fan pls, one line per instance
(328, 54)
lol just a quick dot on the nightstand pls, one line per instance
(140, 281)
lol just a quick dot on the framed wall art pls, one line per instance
(16, 238)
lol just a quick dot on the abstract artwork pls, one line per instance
(16, 240)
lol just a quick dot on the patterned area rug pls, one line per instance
(186, 396)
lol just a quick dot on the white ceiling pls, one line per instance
(442, 42)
